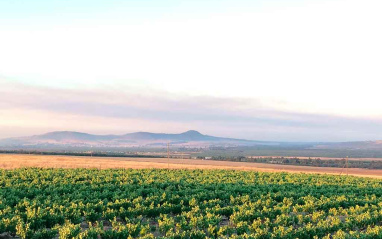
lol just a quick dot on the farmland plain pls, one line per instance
(10, 161)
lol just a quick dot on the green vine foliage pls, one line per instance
(153, 203)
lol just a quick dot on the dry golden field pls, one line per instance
(10, 161)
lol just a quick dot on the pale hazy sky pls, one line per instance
(302, 70)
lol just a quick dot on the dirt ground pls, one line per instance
(10, 161)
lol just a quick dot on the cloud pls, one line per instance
(315, 55)
(26, 108)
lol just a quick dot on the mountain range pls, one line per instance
(142, 139)
(189, 138)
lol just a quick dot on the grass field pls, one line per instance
(8, 161)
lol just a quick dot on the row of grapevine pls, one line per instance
(154, 203)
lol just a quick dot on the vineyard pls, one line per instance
(160, 203)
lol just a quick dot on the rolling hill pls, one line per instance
(143, 139)
(189, 138)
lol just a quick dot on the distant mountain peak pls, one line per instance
(63, 133)
(192, 132)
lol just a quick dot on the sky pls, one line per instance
(282, 70)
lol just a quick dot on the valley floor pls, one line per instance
(10, 161)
